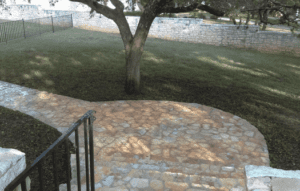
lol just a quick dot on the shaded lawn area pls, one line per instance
(89, 65)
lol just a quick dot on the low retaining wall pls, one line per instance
(179, 29)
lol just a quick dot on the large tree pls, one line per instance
(134, 44)
(151, 8)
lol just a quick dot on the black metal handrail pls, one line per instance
(53, 148)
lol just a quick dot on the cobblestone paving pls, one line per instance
(151, 145)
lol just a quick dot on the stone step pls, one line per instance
(139, 179)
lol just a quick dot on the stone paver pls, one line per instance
(151, 145)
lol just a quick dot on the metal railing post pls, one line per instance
(68, 162)
(86, 159)
(91, 141)
(55, 169)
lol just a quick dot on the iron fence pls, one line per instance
(7, 28)
(53, 148)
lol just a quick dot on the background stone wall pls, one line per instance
(179, 29)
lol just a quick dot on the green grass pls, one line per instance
(89, 65)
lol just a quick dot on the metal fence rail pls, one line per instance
(53, 149)
(6, 29)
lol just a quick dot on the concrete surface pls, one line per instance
(256, 171)
(286, 180)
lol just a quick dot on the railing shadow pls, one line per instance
(53, 149)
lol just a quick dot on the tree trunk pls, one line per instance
(233, 19)
(264, 27)
(256, 20)
(265, 18)
(133, 46)
(132, 84)
(252, 15)
(248, 18)
(133, 53)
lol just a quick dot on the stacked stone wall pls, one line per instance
(177, 29)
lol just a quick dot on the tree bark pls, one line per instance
(265, 18)
(252, 15)
(132, 83)
(233, 19)
(256, 20)
(248, 18)
(133, 54)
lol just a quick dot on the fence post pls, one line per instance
(52, 24)
(5, 33)
(24, 28)
(91, 141)
(39, 27)
(71, 21)
(68, 162)
(86, 156)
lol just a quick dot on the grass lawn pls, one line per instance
(90, 65)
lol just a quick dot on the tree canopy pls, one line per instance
(229, 7)
(284, 8)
